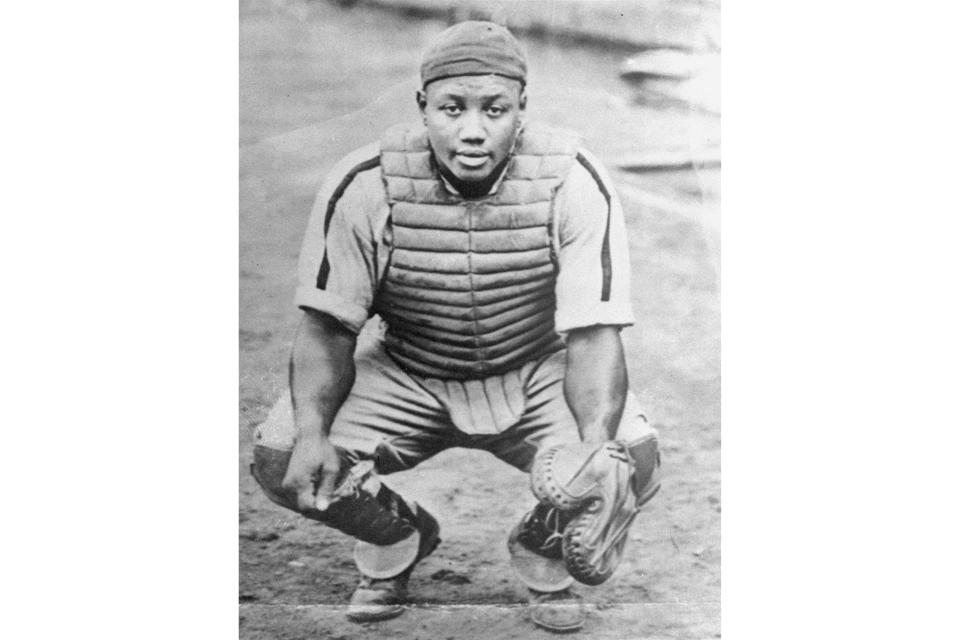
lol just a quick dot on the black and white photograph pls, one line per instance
(479, 319)
(409, 319)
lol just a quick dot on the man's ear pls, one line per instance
(422, 100)
(523, 108)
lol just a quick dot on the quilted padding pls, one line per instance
(469, 290)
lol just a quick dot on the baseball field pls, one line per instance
(318, 79)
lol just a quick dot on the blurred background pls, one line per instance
(640, 81)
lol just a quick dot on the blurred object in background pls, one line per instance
(661, 63)
(689, 25)
(667, 159)
(668, 75)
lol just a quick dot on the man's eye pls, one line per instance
(451, 109)
(495, 111)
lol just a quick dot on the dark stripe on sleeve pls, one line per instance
(605, 248)
(324, 272)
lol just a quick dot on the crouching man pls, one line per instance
(494, 252)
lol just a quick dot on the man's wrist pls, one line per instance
(311, 427)
(311, 435)
(596, 433)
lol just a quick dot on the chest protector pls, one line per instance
(468, 291)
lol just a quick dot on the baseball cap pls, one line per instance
(474, 48)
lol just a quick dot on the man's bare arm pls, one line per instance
(321, 372)
(321, 376)
(595, 385)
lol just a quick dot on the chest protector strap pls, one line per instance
(469, 288)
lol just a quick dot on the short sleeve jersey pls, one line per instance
(343, 257)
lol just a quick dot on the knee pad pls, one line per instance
(268, 469)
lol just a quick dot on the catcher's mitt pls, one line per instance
(603, 486)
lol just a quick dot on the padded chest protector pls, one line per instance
(469, 288)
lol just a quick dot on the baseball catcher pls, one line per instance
(493, 252)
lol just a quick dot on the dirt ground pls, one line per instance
(307, 98)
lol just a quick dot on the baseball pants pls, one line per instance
(399, 420)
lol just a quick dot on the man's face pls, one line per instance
(472, 122)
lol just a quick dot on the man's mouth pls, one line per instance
(472, 158)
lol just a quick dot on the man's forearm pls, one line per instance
(595, 384)
(321, 372)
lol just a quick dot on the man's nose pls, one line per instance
(472, 129)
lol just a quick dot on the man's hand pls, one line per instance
(312, 472)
